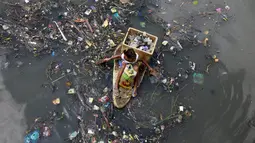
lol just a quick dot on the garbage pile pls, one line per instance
(105, 128)
(76, 27)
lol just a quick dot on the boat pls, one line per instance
(122, 96)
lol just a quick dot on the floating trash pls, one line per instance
(32, 137)
(71, 91)
(165, 43)
(143, 24)
(56, 101)
(91, 99)
(73, 135)
(46, 132)
(198, 78)
(195, 2)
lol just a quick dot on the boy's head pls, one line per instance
(130, 54)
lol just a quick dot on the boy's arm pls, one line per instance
(115, 57)
(147, 65)
(108, 59)
(152, 71)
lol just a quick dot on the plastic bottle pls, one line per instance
(103, 99)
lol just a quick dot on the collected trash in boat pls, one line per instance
(140, 40)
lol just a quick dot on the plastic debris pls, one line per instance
(103, 99)
(181, 108)
(91, 100)
(91, 131)
(164, 81)
(179, 119)
(195, 2)
(46, 132)
(227, 7)
(111, 43)
(205, 41)
(216, 60)
(219, 10)
(143, 24)
(162, 127)
(32, 137)
(68, 84)
(70, 43)
(106, 23)
(198, 78)
(87, 12)
(52, 53)
(5, 27)
(179, 44)
(73, 135)
(164, 43)
(206, 32)
(80, 20)
(113, 10)
(224, 17)
(56, 101)
(64, 37)
(19, 63)
(114, 133)
(192, 65)
(95, 107)
(6, 65)
(188, 113)
(224, 73)
(172, 48)
(71, 91)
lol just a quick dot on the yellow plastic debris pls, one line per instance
(88, 43)
(56, 101)
(106, 23)
(113, 10)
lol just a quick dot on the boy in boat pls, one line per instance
(132, 66)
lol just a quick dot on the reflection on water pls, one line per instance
(12, 120)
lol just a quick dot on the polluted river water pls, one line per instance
(222, 103)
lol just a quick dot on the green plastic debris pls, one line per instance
(142, 24)
(8, 39)
(198, 78)
(73, 135)
(195, 2)
(71, 91)
(113, 10)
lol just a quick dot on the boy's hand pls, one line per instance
(103, 61)
(154, 72)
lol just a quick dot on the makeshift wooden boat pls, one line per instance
(122, 95)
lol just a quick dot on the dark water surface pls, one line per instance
(222, 104)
